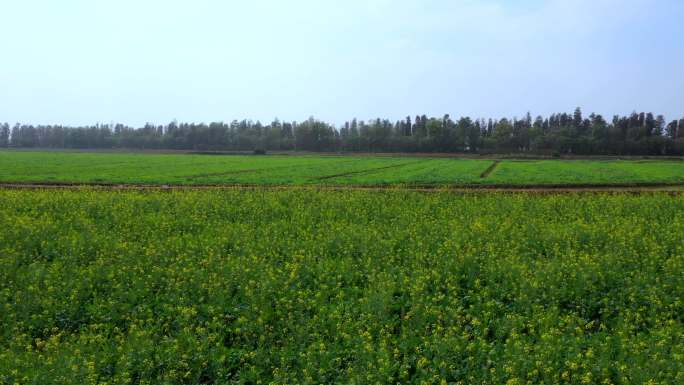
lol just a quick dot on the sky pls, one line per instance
(79, 62)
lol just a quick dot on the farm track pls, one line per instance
(360, 172)
(250, 170)
(542, 189)
(236, 172)
(490, 169)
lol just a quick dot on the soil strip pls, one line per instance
(548, 189)
(360, 172)
(490, 169)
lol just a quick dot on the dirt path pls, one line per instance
(250, 170)
(490, 169)
(545, 189)
(359, 172)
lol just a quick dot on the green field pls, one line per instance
(186, 169)
(348, 287)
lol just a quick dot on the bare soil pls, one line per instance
(490, 169)
(545, 189)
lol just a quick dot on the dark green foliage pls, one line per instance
(637, 134)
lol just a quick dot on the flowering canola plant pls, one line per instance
(319, 287)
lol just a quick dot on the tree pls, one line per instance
(433, 128)
(418, 127)
(4, 135)
(286, 131)
(649, 124)
(659, 125)
(599, 126)
(344, 131)
(538, 123)
(423, 124)
(354, 129)
(471, 134)
(671, 130)
(503, 134)
(638, 134)
(490, 127)
(577, 118)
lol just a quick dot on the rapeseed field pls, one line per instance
(309, 287)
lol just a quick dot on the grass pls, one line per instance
(183, 169)
(588, 172)
(349, 287)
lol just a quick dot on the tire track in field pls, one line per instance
(251, 170)
(490, 169)
(361, 172)
(234, 172)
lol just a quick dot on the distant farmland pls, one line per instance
(187, 169)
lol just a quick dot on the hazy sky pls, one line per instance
(133, 61)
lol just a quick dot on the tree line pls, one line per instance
(562, 133)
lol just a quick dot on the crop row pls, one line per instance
(183, 169)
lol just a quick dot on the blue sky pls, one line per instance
(133, 61)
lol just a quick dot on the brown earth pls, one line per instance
(547, 189)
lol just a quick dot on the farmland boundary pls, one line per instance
(490, 169)
(361, 172)
(597, 188)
